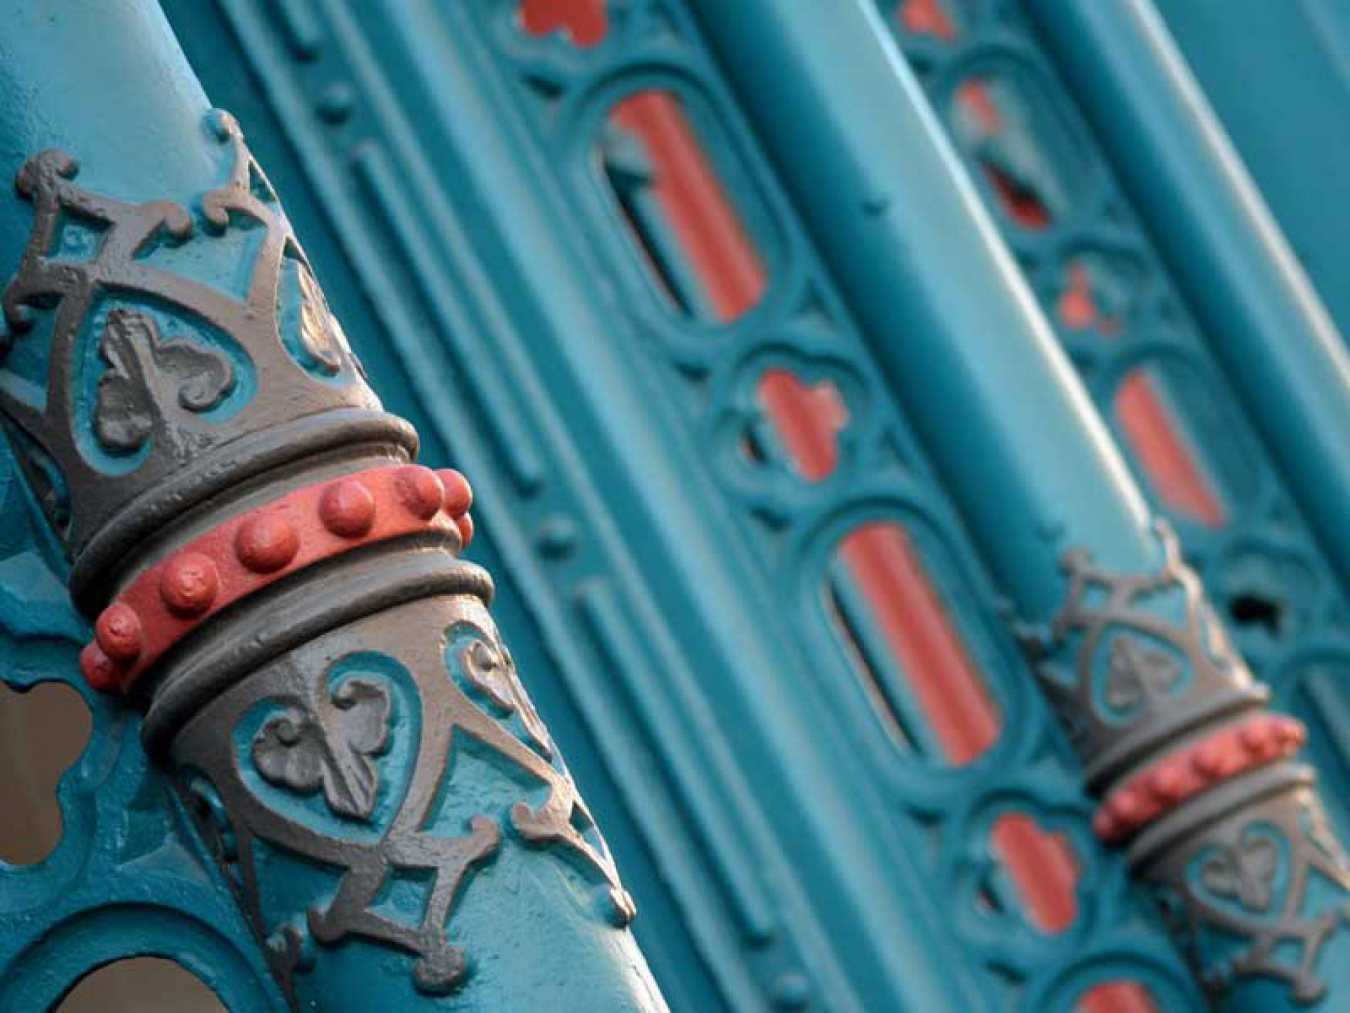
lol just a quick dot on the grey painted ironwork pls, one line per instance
(1249, 876)
(171, 404)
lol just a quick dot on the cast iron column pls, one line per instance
(273, 580)
(1195, 778)
(1267, 326)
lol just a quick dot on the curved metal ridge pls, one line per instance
(374, 579)
(1182, 719)
(287, 599)
(207, 479)
(1192, 769)
(1230, 797)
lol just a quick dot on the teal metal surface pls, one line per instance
(954, 324)
(129, 877)
(1270, 332)
(1291, 131)
(680, 582)
(811, 859)
(1125, 322)
(521, 314)
(938, 295)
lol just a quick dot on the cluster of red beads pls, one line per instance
(250, 551)
(1195, 768)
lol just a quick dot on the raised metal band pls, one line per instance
(249, 551)
(351, 432)
(283, 618)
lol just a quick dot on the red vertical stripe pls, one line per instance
(892, 577)
(693, 202)
(1162, 452)
(882, 560)
(1157, 442)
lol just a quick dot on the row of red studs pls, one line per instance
(254, 549)
(1192, 769)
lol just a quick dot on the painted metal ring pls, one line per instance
(254, 549)
(1186, 772)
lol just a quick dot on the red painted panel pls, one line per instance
(882, 559)
(1163, 453)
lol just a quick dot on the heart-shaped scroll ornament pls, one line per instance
(146, 373)
(1139, 675)
(1244, 872)
(330, 745)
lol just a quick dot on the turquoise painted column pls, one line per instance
(925, 268)
(1291, 132)
(726, 715)
(273, 580)
(1264, 320)
(1194, 777)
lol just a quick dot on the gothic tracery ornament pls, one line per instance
(175, 357)
(329, 744)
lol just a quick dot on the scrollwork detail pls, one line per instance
(178, 355)
(1127, 650)
(329, 744)
(492, 671)
(1254, 881)
(563, 820)
(376, 734)
(145, 373)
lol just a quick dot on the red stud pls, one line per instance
(347, 508)
(1166, 783)
(1253, 736)
(465, 525)
(1104, 823)
(1208, 760)
(420, 490)
(1127, 804)
(189, 584)
(266, 543)
(1277, 741)
(1293, 733)
(458, 494)
(99, 670)
(118, 632)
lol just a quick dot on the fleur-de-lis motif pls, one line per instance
(326, 723)
(178, 344)
(492, 671)
(1138, 675)
(330, 745)
(144, 373)
(1243, 871)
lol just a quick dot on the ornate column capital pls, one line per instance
(280, 587)
(1196, 778)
